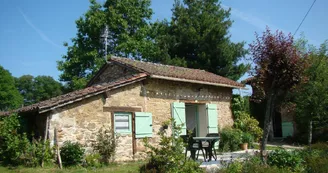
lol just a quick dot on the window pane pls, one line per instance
(122, 122)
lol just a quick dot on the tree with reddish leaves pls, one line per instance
(279, 67)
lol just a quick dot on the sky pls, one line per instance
(32, 32)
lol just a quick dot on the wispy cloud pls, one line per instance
(249, 18)
(36, 29)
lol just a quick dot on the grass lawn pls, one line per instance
(256, 146)
(128, 167)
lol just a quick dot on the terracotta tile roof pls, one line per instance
(77, 95)
(177, 72)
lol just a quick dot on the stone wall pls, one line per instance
(79, 122)
(156, 96)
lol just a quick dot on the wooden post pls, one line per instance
(134, 145)
(57, 150)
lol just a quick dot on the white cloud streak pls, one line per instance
(253, 20)
(36, 29)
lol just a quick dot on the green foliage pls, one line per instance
(242, 118)
(316, 158)
(12, 143)
(16, 149)
(230, 139)
(128, 27)
(255, 165)
(285, 159)
(168, 156)
(106, 144)
(9, 95)
(37, 153)
(239, 105)
(197, 36)
(36, 89)
(71, 153)
(248, 124)
(235, 167)
(247, 138)
(311, 98)
(93, 160)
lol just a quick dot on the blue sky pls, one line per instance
(32, 32)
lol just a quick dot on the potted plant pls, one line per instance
(246, 139)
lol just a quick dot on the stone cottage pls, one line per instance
(135, 98)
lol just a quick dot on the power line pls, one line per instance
(304, 18)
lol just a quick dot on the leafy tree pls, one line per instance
(127, 23)
(9, 95)
(311, 98)
(37, 89)
(24, 84)
(279, 68)
(198, 37)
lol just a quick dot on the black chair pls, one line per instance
(207, 145)
(193, 146)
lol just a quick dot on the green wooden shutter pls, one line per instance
(179, 115)
(144, 123)
(287, 129)
(212, 116)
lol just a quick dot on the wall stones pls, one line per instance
(79, 122)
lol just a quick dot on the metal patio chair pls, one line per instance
(193, 146)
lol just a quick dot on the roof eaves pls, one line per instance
(196, 81)
(43, 109)
(105, 89)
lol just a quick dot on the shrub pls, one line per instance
(317, 164)
(285, 159)
(320, 146)
(247, 138)
(254, 164)
(316, 157)
(71, 153)
(13, 145)
(106, 144)
(16, 149)
(230, 139)
(37, 153)
(93, 160)
(248, 124)
(169, 155)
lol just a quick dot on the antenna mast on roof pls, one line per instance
(105, 38)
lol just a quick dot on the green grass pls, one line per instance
(129, 167)
(256, 146)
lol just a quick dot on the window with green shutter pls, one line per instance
(179, 116)
(212, 116)
(144, 123)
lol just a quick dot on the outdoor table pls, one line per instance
(211, 141)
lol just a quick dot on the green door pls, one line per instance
(287, 129)
(212, 117)
(179, 116)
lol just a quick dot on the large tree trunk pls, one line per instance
(271, 135)
(267, 124)
(310, 133)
